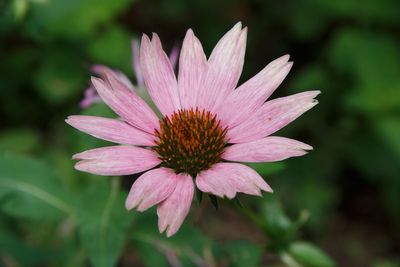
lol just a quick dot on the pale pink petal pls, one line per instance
(126, 103)
(224, 68)
(136, 63)
(111, 130)
(116, 160)
(192, 65)
(251, 95)
(90, 97)
(159, 76)
(101, 70)
(227, 179)
(151, 188)
(173, 211)
(268, 149)
(272, 116)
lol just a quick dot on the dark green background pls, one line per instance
(346, 192)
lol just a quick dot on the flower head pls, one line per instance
(208, 126)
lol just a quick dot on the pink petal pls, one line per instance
(111, 130)
(101, 70)
(272, 116)
(192, 65)
(151, 188)
(136, 63)
(172, 211)
(224, 68)
(268, 149)
(90, 97)
(126, 103)
(251, 95)
(227, 179)
(116, 160)
(159, 75)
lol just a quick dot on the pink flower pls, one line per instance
(207, 127)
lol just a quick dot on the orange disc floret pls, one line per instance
(190, 141)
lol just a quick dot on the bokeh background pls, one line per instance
(336, 206)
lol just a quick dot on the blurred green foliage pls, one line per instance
(342, 197)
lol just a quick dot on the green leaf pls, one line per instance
(19, 140)
(103, 222)
(188, 246)
(308, 255)
(60, 77)
(29, 189)
(117, 42)
(19, 250)
(243, 253)
(20, 8)
(274, 218)
(361, 56)
(265, 169)
(73, 18)
(389, 129)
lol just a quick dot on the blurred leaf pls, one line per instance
(389, 129)
(243, 253)
(275, 220)
(384, 10)
(103, 221)
(265, 169)
(113, 48)
(308, 255)
(73, 18)
(188, 247)
(19, 140)
(29, 189)
(60, 77)
(318, 198)
(20, 8)
(23, 254)
(362, 56)
(150, 255)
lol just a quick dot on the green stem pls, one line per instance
(251, 215)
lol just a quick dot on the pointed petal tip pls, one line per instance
(161, 227)
(270, 190)
(76, 157)
(155, 38)
(96, 81)
(128, 206)
(313, 93)
(190, 31)
(170, 233)
(266, 188)
(78, 165)
(145, 40)
(307, 147)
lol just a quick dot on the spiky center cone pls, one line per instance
(190, 141)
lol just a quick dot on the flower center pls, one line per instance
(190, 141)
